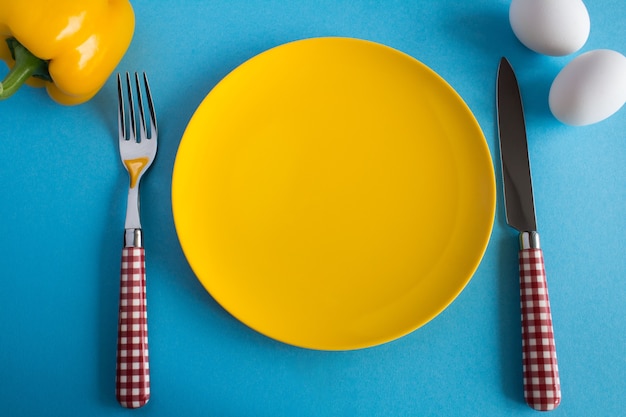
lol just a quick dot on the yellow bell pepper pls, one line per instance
(70, 46)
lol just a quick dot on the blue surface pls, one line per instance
(63, 201)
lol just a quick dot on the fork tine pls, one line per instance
(131, 110)
(121, 116)
(153, 122)
(142, 117)
(128, 108)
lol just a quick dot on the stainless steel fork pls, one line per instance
(132, 382)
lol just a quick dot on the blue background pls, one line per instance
(63, 203)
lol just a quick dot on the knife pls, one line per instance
(542, 387)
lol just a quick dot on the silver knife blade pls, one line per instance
(518, 188)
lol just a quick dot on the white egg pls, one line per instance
(590, 88)
(550, 27)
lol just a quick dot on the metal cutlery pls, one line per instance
(542, 386)
(137, 151)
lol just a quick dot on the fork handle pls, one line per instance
(132, 381)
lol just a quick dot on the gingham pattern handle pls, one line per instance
(132, 382)
(542, 387)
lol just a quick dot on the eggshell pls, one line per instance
(590, 88)
(550, 27)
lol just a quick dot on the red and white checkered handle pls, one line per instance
(132, 382)
(542, 387)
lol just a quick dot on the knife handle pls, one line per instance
(542, 387)
(132, 379)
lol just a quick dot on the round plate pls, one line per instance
(333, 193)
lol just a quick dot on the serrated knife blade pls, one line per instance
(542, 386)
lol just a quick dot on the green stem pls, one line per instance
(26, 65)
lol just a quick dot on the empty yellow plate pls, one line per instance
(333, 193)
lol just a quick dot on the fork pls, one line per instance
(132, 379)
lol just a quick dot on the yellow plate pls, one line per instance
(333, 193)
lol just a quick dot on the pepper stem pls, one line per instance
(26, 65)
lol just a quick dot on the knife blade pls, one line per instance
(542, 386)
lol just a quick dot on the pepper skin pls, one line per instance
(80, 41)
